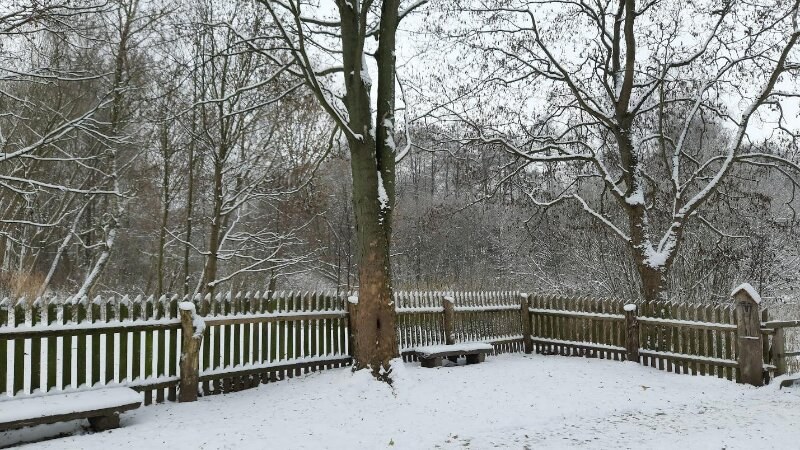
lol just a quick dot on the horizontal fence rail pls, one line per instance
(252, 338)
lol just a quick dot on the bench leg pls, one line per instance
(104, 423)
(431, 362)
(475, 359)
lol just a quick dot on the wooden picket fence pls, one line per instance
(676, 337)
(491, 317)
(54, 344)
(57, 344)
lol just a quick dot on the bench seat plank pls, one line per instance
(439, 351)
(53, 408)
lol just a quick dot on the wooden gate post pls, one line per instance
(748, 334)
(449, 310)
(192, 327)
(527, 328)
(631, 333)
(778, 352)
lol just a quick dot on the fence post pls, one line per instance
(527, 328)
(778, 352)
(192, 327)
(751, 352)
(449, 314)
(631, 333)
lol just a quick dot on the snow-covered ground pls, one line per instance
(510, 401)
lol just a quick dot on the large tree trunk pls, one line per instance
(654, 281)
(372, 157)
(374, 340)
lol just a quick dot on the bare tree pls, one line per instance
(240, 126)
(47, 122)
(621, 95)
(330, 56)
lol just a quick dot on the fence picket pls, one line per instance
(4, 354)
(34, 312)
(109, 340)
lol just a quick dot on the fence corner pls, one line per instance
(751, 353)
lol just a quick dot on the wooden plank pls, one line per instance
(661, 339)
(692, 338)
(210, 346)
(559, 325)
(685, 338)
(701, 338)
(160, 355)
(4, 341)
(66, 346)
(95, 312)
(35, 372)
(580, 345)
(331, 324)
(586, 315)
(718, 347)
(710, 340)
(123, 314)
(172, 360)
(288, 366)
(79, 316)
(56, 418)
(84, 328)
(275, 342)
(263, 330)
(216, 307)
(108, 315)
(136, 340)
(765, 346)
(247, 332)
(250, 336)
(692, 324)
(668, 334)
(689, 358)
(236, 328)
(781, 324)
(20, 309)
(298, 330)
(147, 313)
(307, 336)
(315, 344)
(727, 350)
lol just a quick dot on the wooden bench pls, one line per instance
(431, 356)
(793, 382)
(101, 406)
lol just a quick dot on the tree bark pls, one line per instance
(374, 342)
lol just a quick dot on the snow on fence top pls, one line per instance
(630, 307)
(750, 290)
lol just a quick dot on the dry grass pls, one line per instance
(21, 284)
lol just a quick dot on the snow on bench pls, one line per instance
(101, 406)
(431, 355)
